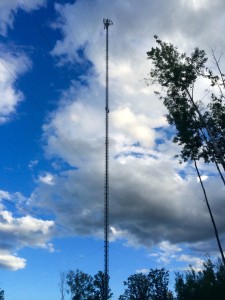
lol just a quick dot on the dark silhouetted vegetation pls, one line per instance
(82, 286)
(200, 129)
(153, 285)
(206, 283)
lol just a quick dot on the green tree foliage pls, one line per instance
(159, 281)
(207, 284)
(81, 285)
(137, 287)
(99, 286)
(153, 286)
(85, 287)
(200, 130)
(215, 119)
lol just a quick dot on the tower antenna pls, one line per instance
(106, 23)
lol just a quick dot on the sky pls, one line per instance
(52, 114)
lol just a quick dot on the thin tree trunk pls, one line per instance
(62, 285)
(208, 130)
(207, 143)
(217, 166)
(221, 175)
(211, 215)
(218, 67)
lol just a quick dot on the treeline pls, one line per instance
(206, 284)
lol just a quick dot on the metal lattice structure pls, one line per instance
(106, 23)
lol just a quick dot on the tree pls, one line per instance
(211, 215)
(85, 287)
(200, 130)
(153, 286)
(80, 285)
(62, 285)
(159, 281)
(207, 284)
(99, 287)
(137, 288)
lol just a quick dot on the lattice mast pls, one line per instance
(106, 23)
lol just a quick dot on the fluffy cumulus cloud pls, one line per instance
(149, 202)
(11, 262)
(12, 65)
(167, 254)
(20, 231)
(153, 199)
(9, 8)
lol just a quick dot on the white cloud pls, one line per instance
(196, 5)
(4, 195)
(152, 198)
(47, 178)
(26, 231)
(151, 203)
(12, 64)
(8, 8)
(169, 248)
(134, 127)
(11, 262)
(19, 232)
(166, 252)
(143, 271)
(203, 178)
(117, 234)
(195, 262)
(32, 164)
(147, 203)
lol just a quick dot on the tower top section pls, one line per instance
(107, 23)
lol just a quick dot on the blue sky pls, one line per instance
(52, 93)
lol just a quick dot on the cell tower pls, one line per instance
(106, 23)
